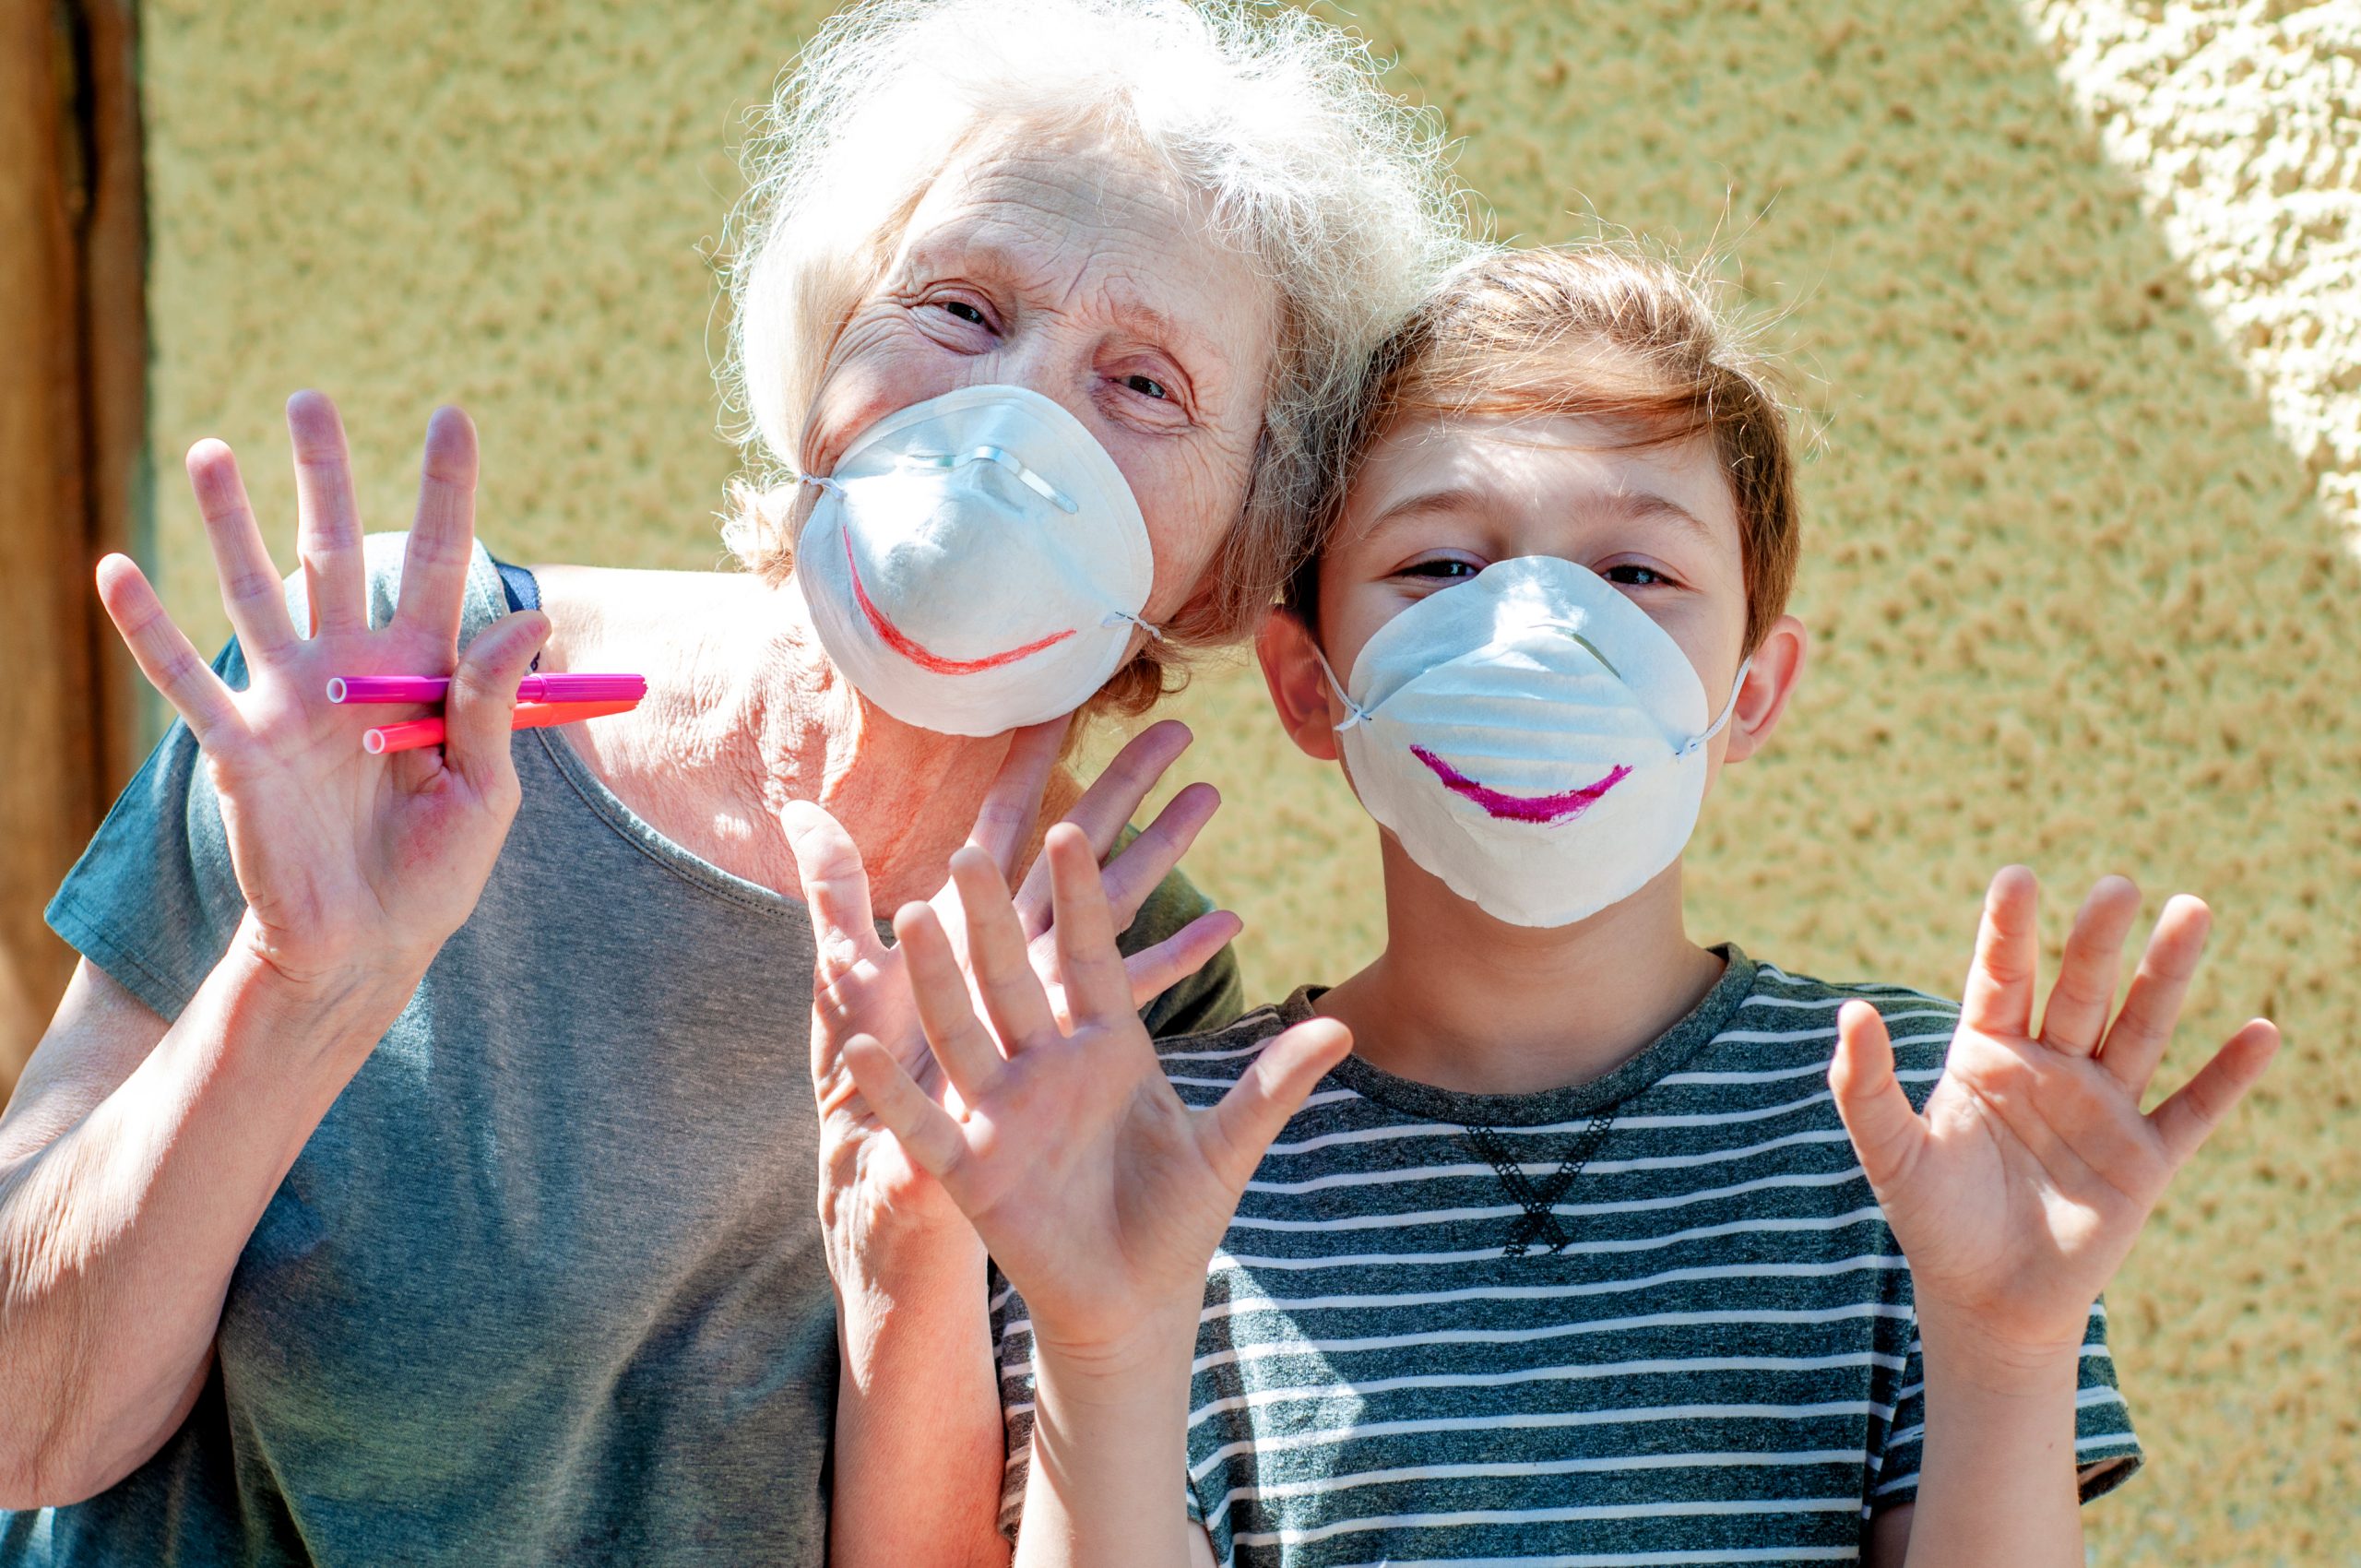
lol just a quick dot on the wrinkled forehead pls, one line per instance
(1077, 221)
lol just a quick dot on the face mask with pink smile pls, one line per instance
(1532, 738)
(976, 563)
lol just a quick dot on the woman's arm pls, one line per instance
(2017, 1194)
(136, 1158)
(135, 1162)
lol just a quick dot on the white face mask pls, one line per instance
(1532, 738)
(976, 563)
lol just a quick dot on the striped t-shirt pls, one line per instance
(1425, 1340)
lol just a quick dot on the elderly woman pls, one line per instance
(420, 1165)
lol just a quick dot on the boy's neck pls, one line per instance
(1462, 1000)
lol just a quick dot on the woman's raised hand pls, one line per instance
(351, 866)
(861, 985)
(1097, 1190)
(2018, 1191)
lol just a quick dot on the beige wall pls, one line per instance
(2075, 601)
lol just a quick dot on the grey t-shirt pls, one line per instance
(546, 1285)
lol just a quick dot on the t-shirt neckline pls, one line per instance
(1664, 1055)
(484, 584)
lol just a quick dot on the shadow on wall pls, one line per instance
(2071, 605)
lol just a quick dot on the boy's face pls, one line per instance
(1437, 501)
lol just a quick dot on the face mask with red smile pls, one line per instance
(976, 563)
(1532, 738)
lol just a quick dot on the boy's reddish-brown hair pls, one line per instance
(1602, 331)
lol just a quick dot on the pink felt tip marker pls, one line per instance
(414, 733)
(534, 688)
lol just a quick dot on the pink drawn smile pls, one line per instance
(1546, 809)
(909, 648)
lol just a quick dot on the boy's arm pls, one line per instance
(1100, 1192)
(2015, 1197)
(918, 1443)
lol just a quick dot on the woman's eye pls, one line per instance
(961, 310)
(1635, 577)
(1146, 386)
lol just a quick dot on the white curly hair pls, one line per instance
(1336, 190)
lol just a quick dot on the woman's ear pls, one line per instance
(1299, 684)
(1769, 682)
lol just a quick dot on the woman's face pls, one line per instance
(1071, 270)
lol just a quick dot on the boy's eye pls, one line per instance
(1442, 569)
(1634, 577)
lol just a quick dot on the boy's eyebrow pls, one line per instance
(1634, 504)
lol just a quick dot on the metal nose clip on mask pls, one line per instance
(976, 563)
(1532, 738)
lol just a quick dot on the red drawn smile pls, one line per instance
(916, 653)
(1546, 809)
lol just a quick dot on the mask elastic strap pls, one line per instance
(1117, 618)
(1727, 709)
(1355, 711)
(817, 482)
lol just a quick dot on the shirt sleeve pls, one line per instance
(153, 902)
(2107, 1451)
(1013, 1356)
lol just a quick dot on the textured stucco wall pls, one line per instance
(2075, 598)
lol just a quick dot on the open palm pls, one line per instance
(343, 858)
(862, 985)
(2018, 1191)
(1097, 1190)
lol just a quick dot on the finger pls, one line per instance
(442, 539)
(836, 887)
(483, 699)
(996, 950)
(1148, 860)
(251, 590)
(1999, 998)
(1012, 804)
(1887, 1133)
(2076, 1014)
(1088, 963)
(1238, 1132)
(2136, 1042)
(925, 1129)
(958, 1039)
(1110, 801)
(163, 652)
(327, 530)
(1154, 970)
(2186, 1120)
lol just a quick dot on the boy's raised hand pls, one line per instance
(1100, 1194)
(2018, 1191)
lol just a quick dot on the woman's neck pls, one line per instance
(1465, 1001)
(743, 714)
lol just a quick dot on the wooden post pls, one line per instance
(73, 430)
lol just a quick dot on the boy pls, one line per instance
(1576, 1258)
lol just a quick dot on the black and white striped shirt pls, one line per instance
(1422, 1342)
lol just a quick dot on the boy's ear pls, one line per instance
(1769, 682)
(1298, 686)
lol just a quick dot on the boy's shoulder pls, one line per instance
(1788, 1021)
(1217, 1057)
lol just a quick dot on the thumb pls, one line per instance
(836, 886)
(1241, 1128)
(1887, 1133)
(484, 697)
